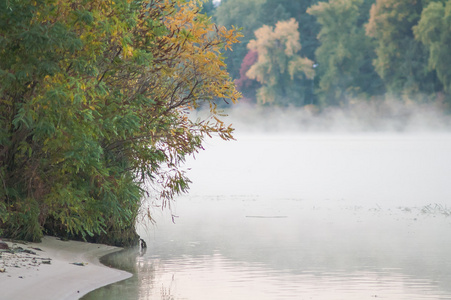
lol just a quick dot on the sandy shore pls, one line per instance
(50, 273)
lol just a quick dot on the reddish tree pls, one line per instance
(244, 84)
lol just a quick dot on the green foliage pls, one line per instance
(346, 53)
(283, 10)
(24, 223)
(434, 31)
(279, 67)
(94, 104)
(253, 14)
(208, 8)
(245, 14)
(363, 48)
(401, 60)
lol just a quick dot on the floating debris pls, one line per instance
(436, 209)
(79, 264)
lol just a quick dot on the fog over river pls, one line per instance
(322, 208)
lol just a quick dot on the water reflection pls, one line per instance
(315, 252)
(359, 239)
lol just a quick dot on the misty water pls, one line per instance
(302, 216)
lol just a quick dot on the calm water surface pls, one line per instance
(302, 217)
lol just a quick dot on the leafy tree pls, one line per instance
(346, 53)
(434, 31)
(244, 14)
(253, 14)
(94, 104)
(283, 10)
(279, 67)
(401, 60)
(244, 84)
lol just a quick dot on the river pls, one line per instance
(302, 216)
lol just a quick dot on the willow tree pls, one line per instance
(94, 108)
(279, 68)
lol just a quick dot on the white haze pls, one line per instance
(388, 154)
(387, 116)
(345, 204)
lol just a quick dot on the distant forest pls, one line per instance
(331, 53)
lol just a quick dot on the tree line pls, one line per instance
(329, 53)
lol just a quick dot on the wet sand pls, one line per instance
(55, 269)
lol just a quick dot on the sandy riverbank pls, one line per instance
(30, 276)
